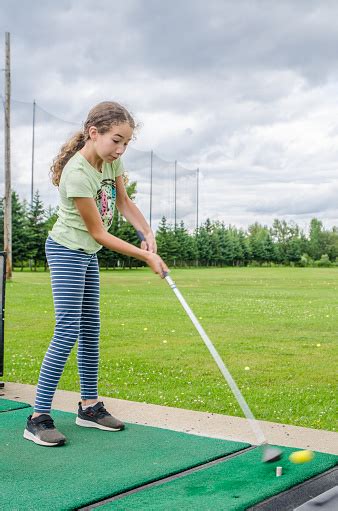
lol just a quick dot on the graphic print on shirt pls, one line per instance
(105, 201)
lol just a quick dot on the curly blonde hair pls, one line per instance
(102, 116)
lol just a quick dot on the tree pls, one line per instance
(167, 245)
(330, 241)
(51, 217)
(20, 232)
(204, 248)
(316, 242)
(215, 247)
(261, 244)
(127, 233)
(36, 231)
(245, 246)
(227, 248)
(288, 242)
(238, 249)
(211, 244)
(186, 252)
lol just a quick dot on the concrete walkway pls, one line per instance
(197, 423)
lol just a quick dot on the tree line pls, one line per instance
(212, 244)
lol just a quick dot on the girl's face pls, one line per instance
(112, 144)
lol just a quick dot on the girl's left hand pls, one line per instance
(150, 243)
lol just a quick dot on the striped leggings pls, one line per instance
(76, 294)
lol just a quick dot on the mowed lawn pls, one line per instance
(275, 328)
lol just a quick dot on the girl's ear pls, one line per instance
(92, 131)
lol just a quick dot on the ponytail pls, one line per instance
(66, 152)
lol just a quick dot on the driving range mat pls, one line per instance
(231, 485)
(7, 405)
(93, 464)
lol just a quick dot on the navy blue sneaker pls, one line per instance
(97, 417)
(42, 431)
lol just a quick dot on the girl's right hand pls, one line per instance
(157, 264)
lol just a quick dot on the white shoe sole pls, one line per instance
(88, 424)
(29, 436)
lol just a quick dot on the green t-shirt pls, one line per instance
(80, 179)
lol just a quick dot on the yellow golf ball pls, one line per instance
(301, 456)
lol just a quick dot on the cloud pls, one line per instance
(246, 91)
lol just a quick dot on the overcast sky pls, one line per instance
(246, 91)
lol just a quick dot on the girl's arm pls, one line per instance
(92, 219)
(134, 216)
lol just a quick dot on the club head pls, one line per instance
(271, 454)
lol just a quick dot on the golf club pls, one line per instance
(269, 453)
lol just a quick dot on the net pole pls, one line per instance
(175, 192)
(33, 148)
(151, 187)
(8, 190)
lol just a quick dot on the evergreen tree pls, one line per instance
(261, 244)
(294, 251)
(227, 247)
(211, 244)
(215, 247)
(20, 232)
(255, 241)
(238, 250)
(51, 217)
(36, 231)
(185, 252)
(204, 250)
(167, 245)
(288, 244)
(245, 247)
(162, 237)
(191, 249)
(269, 248)
(127, 233)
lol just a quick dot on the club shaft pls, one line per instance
(255, 426)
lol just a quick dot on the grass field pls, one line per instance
(281, 323)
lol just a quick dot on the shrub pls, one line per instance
(324, 261)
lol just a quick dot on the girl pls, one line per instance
(88, 172)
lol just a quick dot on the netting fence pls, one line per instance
(164, 188)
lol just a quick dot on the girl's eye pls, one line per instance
(116, 141)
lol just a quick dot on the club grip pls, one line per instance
(140, 235)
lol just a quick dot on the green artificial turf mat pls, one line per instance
(6, 405)
(93, 464)
(231, 485)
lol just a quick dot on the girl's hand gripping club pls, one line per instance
(153, 260)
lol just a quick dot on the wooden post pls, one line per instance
(151, 188)
(8, 190)
(2, 313)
